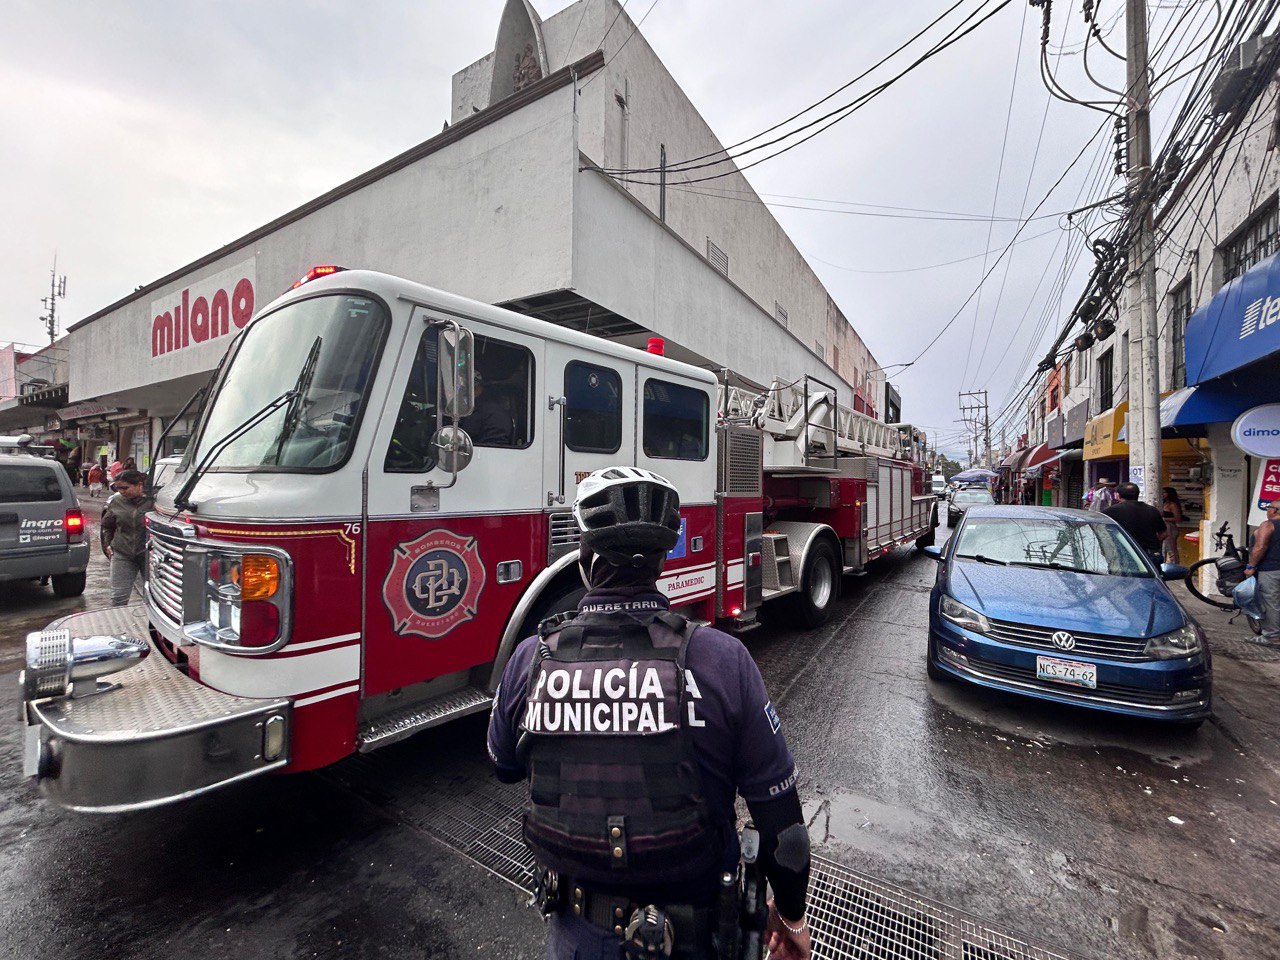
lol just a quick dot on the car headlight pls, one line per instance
(1179, 643)
(963, 616)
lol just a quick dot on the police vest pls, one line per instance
(615, 791)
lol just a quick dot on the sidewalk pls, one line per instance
(1246, 678)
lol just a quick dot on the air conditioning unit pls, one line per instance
(1238, 71)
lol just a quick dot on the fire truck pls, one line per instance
(375, 509)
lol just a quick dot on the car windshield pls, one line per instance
(1086, 546)
(972, 496)
(324, 348)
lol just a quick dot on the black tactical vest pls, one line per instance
(615, 791)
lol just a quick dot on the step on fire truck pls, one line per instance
(375, 510)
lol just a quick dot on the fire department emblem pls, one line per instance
(434, 584)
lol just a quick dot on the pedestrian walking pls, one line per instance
(636, 728)
(97, 476)
(1171, 505)
(1102, 495)
(114, 470)
(1140, 520)
(1264, 563)
(124, 533)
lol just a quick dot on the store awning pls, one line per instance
(1039, 457)
(1184, 412)
(1239, 325)
(1008, 462)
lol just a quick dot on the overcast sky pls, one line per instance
(139, 136)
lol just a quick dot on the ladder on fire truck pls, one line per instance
(809, 428)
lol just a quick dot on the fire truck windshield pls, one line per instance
(323, 348)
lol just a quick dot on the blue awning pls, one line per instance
(1239, 325)
(1185, 412)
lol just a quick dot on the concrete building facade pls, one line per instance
(509, 205)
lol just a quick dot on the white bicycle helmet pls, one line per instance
(626, 514)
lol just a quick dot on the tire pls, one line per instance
(928, 540)
(1195, 592)
(560, 601)
(68, 584)
(935, 672)
(819, 586)
(1254, 625)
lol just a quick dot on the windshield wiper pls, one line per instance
(182, 501)
(1054, 565)
(293, 415)
(981, 559)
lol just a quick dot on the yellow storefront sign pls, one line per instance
(1100, 434)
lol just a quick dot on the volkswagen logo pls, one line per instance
(1063, 640)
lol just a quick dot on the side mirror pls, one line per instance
(457, 368)
(1173, 571)
(454, 449)
(933, 553)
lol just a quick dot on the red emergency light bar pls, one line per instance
(316, 272)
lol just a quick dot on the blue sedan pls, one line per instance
(1062, 605)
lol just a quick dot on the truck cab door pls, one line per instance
(590, 418)
(450, 553)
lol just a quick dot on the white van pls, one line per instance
(939, 486)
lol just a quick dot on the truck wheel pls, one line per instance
(68, 584)
(819, 586)
(928, 540)
(563, 601)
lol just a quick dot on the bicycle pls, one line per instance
(1228, 574)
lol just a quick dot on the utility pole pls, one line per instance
(57, 291)
(974, 411)
(1144, 370)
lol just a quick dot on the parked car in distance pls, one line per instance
(42, 531)
(939, 486)
(1063, 605)
(963, 499)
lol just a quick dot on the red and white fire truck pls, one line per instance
(375, 510)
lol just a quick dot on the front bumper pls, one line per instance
(31, 566)
(157, 738)
(1138, 689)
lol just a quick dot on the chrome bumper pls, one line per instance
(157, 737)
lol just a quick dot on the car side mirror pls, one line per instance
(934, 553)
(1173, 571)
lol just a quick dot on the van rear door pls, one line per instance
(32, 510)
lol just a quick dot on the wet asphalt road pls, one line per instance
(1045, 821)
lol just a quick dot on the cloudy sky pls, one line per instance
(139, 136)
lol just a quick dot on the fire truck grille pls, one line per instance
(853, 916)
(164, 572)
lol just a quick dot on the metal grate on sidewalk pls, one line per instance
(853, 917)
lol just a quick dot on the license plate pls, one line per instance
(1067, 671)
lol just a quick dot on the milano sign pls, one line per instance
(213, 307)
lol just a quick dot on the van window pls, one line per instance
(675, 421)
(593, 408)
(29, 484)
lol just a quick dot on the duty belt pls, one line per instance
(692, 926)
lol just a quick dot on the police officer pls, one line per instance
(636, 729)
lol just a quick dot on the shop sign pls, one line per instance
(213, 307)
(1257, 431)
(1138, 475)
(86, 409)
(1267, 489)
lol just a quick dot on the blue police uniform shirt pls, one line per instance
(735, 730)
